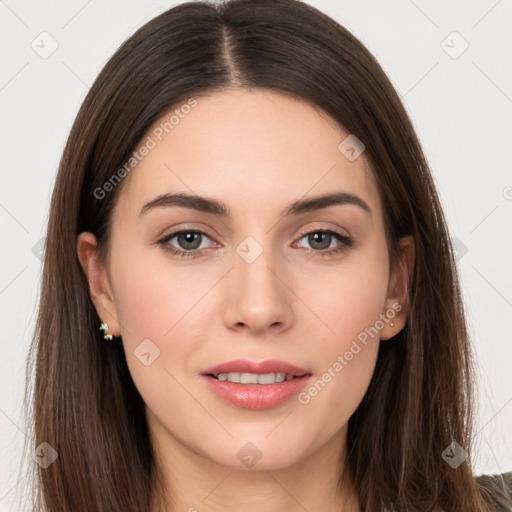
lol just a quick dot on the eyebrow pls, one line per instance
(216, 207)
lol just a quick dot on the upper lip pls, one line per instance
(262, 367)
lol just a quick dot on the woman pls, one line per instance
(195, 348)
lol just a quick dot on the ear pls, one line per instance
(98, 279)
(397, 299)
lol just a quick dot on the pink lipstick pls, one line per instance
(253, 385)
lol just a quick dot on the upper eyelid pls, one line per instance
(320, 228)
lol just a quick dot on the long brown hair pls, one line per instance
(85, 403)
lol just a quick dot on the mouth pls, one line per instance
(255, 378)
(251, 385)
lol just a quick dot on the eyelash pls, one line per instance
(345, 243)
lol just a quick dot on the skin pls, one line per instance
(257, 151)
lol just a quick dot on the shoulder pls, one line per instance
(497, 489)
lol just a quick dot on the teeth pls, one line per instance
(271, 378)
(248, 378)
(233, 377)
(254, 378)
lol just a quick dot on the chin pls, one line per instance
(259, 454)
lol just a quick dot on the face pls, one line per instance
(303, 290)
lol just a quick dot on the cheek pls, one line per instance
(347, 350)
(152, 308)
(161, 311)
(348, 300)
(152, 300)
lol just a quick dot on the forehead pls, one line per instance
(255, 150)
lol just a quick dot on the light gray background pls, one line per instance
(460, 107)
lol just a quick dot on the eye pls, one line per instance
(189, 242)
(321, 240)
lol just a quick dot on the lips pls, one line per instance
(256, 396)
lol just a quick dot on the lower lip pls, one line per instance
(257, 396)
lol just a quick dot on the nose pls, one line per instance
(257, 296)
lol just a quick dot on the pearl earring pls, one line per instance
(106, 333)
